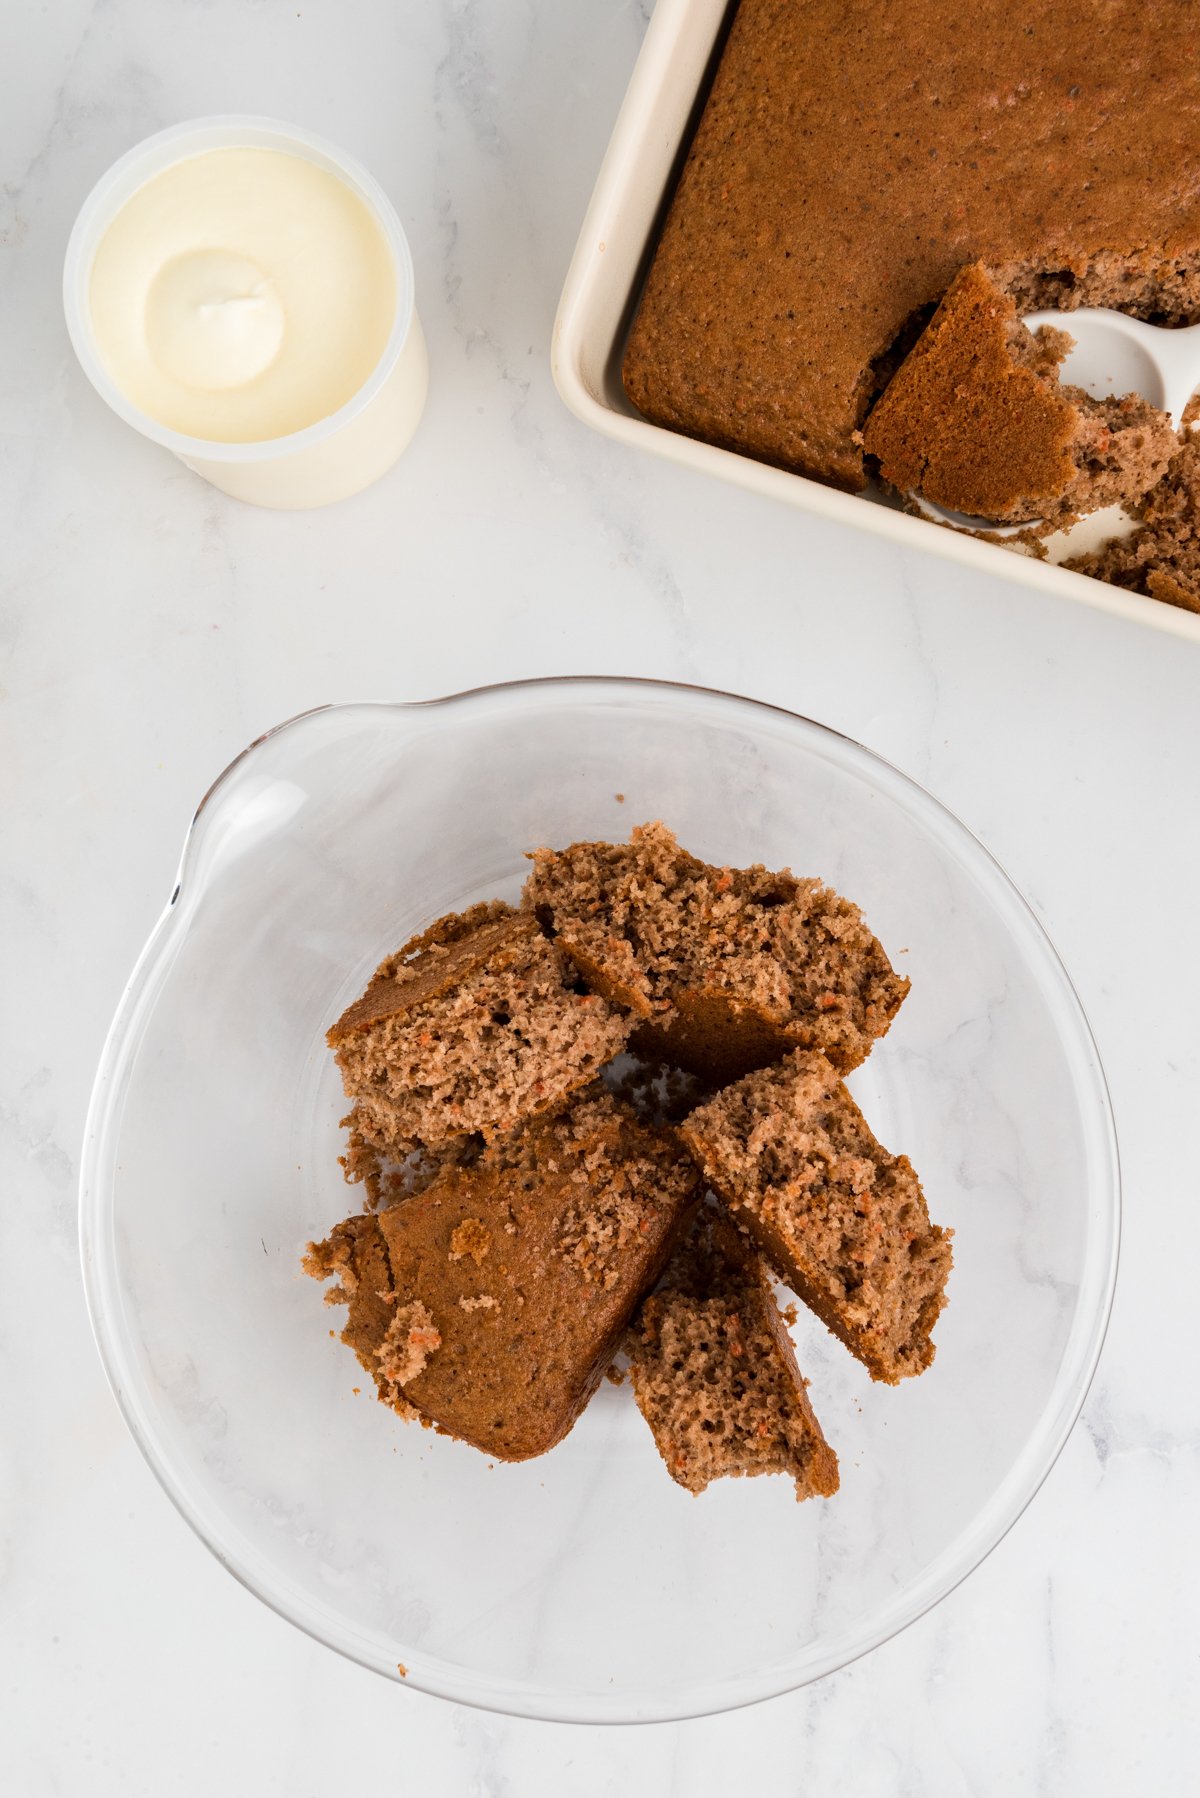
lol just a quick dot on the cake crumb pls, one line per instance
(320, 1260)
(411, 1338)
(401, 1669)
(473, 1238)
(595, 1240)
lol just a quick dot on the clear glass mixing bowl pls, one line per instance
(583, 1585)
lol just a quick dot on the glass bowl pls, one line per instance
(584, 1585)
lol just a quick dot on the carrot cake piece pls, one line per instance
(975, 419)
(852, 156)
(477, 1024)
(727, 968)
(843, 1222)
(491, 1302)
(714, 1373)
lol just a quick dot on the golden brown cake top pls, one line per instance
(440, 964)
(852, 156)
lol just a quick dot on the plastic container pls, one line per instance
(329, 460)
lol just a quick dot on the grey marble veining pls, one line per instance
(149, 629)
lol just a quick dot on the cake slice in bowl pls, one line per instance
(843, 1222)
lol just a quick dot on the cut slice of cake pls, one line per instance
(491, 1302)
(975, 420)
(728, 968)
(478, 1024)
(852, 155)
(714, 1373)
(843, 1222)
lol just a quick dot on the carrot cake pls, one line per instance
(476, 1025)
(727, 968)
(538, 1099)
(843, 1223)
(714, 1373)
(975, 419)
(852, 157)
(491, 1302)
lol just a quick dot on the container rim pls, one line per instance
(179, 143)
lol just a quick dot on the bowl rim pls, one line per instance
(498, 1693)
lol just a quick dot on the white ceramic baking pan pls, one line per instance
(636, 179)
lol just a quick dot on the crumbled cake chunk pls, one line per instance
(1161, 558)
(851, 156)
(727, 968)
(472, 1237)
(714, 1373)
(515, 1365)
(476, 1025)
(411, 1337)
(843, 1222)
(354, 1256)
(975, 419)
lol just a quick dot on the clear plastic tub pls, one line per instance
(335, 457)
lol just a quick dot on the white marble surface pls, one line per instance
(149, 629)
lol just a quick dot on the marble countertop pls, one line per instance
(151, 628)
